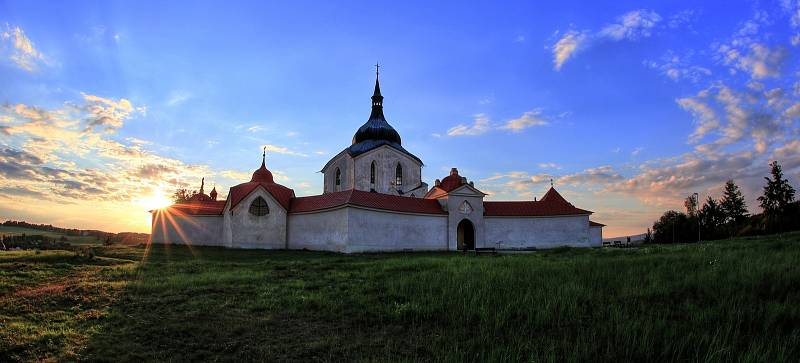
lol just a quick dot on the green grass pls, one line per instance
(16, 231)
(736, 300)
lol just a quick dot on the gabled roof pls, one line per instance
(281, 193)
(360, 198)
(199, 208)
(552, 204)
(262, 177)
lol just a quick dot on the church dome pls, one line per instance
(377, 128)
(262, 175)
(452, 181)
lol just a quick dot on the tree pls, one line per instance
(711, 217)
(691, 205)
(732, 204)
(183, 195)
(778, 194)
(674, 227)
(648, 237)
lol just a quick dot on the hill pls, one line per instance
(731, 300)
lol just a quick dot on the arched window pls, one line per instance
(259, 207)
(372, 173)
(398, 176)
(338, 180)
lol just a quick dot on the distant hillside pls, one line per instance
(72, 235)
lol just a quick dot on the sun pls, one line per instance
(155, 201)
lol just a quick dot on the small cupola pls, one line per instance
(263, 175)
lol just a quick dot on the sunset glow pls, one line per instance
(105, 113)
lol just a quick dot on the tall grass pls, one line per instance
(734, 300)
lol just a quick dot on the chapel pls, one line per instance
(373, 199)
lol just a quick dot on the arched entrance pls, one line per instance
(465, 234)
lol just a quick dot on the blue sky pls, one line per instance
(628, 106)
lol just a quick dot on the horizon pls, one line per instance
(107, 109)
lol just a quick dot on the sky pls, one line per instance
(107, 107)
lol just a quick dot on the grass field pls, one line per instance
(16, 231)
(735, 300)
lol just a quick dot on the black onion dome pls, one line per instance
(377, 132)
(377, 128)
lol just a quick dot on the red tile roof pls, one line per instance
(595, 224)
(205, 208)
(366, 199)
(552, 204)
(281, 193)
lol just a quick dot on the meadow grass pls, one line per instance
(732, 300)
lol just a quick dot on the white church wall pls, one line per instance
(372, 230)
(250, 231)
(319, 231)
(344, 163)
(386, 159)
(596, 236)
(189, 230)
(537, 232)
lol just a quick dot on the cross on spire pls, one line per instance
(551, 182)
(377, 68)
(264, 156)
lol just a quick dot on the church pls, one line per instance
(373, 199)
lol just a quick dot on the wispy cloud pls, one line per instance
(528, 119)
(482, 124)
(631, 26)
(177, 97)
(567, 46)
(479, 126)
(281, 150)
(22, 53)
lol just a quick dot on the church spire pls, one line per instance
(377, 128)
(264, 158)
(377, 99)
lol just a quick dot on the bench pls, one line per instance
(481, 250)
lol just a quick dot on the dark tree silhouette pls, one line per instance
(691, 203)
(778, 194)
(182, 195)
(711, 218)
(732, 204)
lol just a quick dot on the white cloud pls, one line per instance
(679, 67)
(281, 150)
(528, 119)
(704, 116)
(478, 127)
(760, 61)
(255, 128)
(24, 55)
(178, 97)
(566, 47)
(632, 25)
(549, 166)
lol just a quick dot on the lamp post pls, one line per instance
(697, 213)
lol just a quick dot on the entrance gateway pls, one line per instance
(465, 235)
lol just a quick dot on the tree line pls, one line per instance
(728, 216)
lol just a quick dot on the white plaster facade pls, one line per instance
(357, 173)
